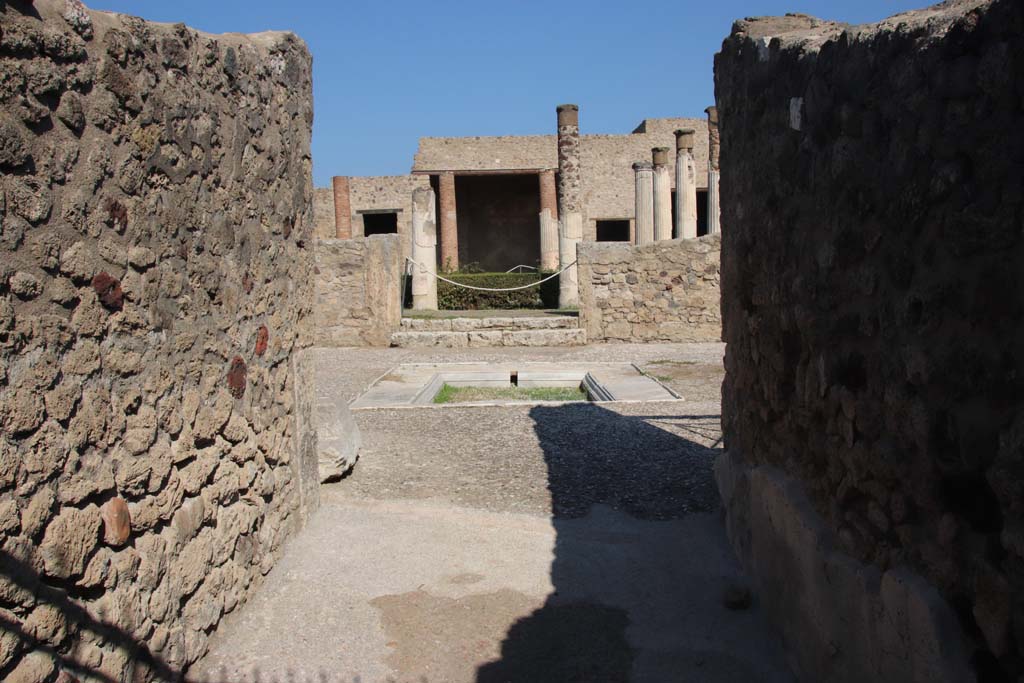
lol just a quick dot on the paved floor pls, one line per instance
(577, 542)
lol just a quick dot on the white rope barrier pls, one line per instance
(490, 289)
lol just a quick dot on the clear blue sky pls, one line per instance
(389, 72)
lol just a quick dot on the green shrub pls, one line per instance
(452, 298)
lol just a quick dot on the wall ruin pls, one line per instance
(874, 314)
(358, 290)
(660, 292)
(366, 194)
(155, 293)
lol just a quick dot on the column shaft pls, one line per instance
(644, 190)
(548, 221)
(714, 207)
(449, 222)
(570, 209)
(662, 195)
(342, 208)
(424, 250)
(686, 185)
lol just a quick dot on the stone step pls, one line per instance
(554, 337)
(560, 322)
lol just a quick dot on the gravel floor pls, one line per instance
(576, 542)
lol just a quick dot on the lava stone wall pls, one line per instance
(873, 291)
(155, 292)
(662, 292)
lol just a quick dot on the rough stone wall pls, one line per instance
(660, 292)
(358, 290)
(155, 290)
(606, 161)
(873, 305)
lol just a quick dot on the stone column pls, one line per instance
(714, 209)
(342, 208)
(548, 220)
(424, 250)
(570, 206)
(449, 222)
(686, 185)
(644, 202)
(662, 195)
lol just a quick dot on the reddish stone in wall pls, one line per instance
(108, 289)
(118, 214)
(247, 283)
(262, 337)
(117, 522)
(236, 377)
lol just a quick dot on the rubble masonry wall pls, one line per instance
(873, 307)
(156, 282)
(660, 292)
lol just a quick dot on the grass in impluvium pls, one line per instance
(450, 394)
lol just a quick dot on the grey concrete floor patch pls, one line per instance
(411, 385)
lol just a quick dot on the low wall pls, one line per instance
(156, 280)
(660, 292)
(873, 309)
(358, 290)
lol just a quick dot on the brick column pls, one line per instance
(714, 209)
(548, 220)
(424, 250)
(686, 185)
(662, 195)
(449, 222)
(570, 208)
(342, 208)
(644, 190)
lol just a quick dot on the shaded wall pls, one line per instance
(873, 305)
(661, 292)
(499, 220)
(155, 291)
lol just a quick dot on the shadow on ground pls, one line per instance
(607, 471)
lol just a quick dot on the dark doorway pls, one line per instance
(380, 223)
(615, 230)
(499, 220)
(702, 212)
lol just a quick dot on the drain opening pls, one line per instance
(513, 378)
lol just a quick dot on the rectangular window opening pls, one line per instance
(382, 223)
(613, 230)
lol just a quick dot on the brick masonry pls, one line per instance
(156, 284)
(873, 308)
(661, 292)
